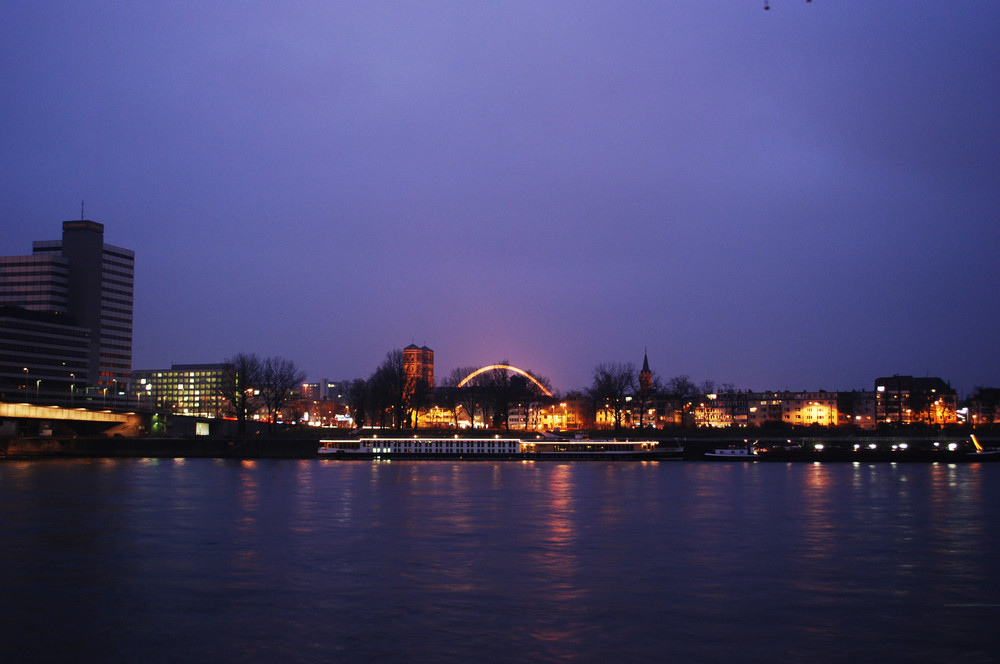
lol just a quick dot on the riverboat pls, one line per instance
(494, 448)
(744, 453)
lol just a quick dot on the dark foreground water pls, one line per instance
(326, 561)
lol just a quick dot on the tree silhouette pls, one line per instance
(238, 386)
(278, 379)
(613, 384)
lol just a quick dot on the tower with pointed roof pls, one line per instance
(645, 376)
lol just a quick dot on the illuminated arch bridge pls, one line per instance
(491, 367)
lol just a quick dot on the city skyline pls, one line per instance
(804, 198)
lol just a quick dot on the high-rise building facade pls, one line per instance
(88, 285)
(43, 358)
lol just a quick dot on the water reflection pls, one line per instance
(552, 561)
(956, 535)
(556, 557)
(246, 561)
(818, 543)
(313, 561)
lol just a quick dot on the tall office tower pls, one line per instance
(88, 282)
(35, 283)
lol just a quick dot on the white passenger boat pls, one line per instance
(494, 448)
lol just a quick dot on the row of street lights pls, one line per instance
(72, 388)
(38, 385)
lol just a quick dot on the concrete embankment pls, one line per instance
(241, 448)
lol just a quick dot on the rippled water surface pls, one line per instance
(324, 561)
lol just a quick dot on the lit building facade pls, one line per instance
(810, 409)
(859, 409)
(572, 412)
(438, 417)
(724, 409)
(183, 389)
(322, 404)
(909, 400)
(984, 407)
(794, 409)
(764, 408)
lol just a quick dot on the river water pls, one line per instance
(201, 560)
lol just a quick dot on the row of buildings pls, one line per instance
(896, 400)
(190, 389)
(193, 390)
(66, 338)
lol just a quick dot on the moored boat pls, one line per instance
(733, 453)
(495, 448)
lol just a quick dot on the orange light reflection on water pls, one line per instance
(555, 562)
(815, 544)
(248, 498)
(817, 535)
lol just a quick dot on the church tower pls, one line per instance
(418, 363)
(645, 376)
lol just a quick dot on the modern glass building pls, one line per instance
(83, 284)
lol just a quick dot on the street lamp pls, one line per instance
(25, 383)
(38, 386)
(72, 389)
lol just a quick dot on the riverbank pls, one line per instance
(950, 449)
(250, 447)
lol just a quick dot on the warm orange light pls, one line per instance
(505, 366)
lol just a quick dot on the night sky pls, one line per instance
(800, 198)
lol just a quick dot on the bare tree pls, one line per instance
(389, 384)
(644, 396)
(500, 393)
(469, 396)
(448, 395)
(238, 387)
(681, 387)
(359, 401)
(683, 392)
(418, 395)
(446, 398)
(613, 385)
(526, 395)
(278, 380)
(546, 383)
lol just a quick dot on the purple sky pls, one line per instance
(802, 198)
